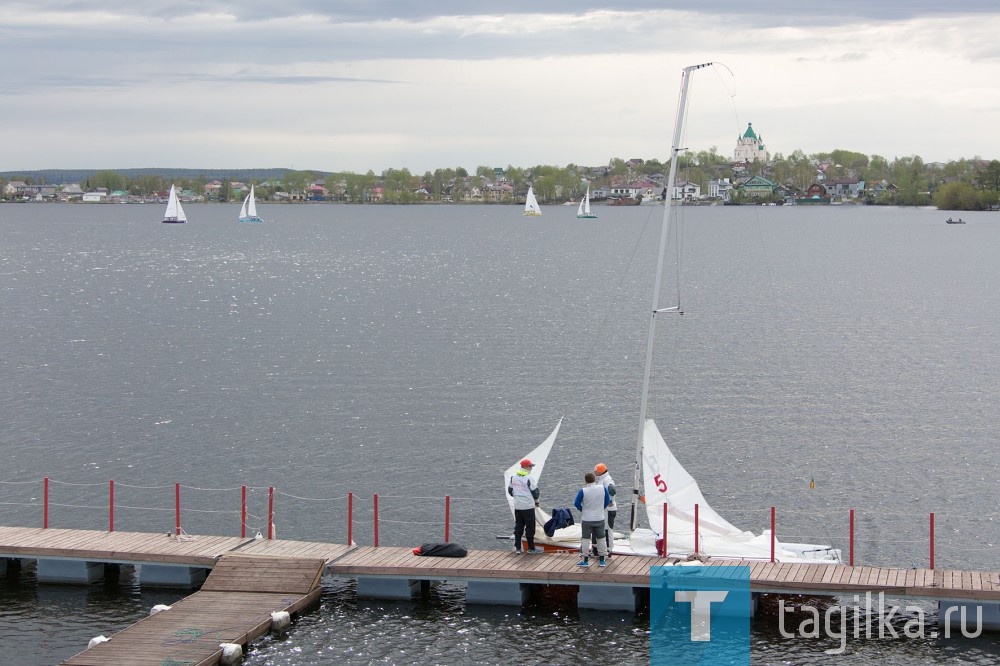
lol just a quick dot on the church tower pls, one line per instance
(750, 147)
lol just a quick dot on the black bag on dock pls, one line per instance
(441, 550)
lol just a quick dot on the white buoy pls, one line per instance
(97, 640)
(232, 653)
(157, 608)
(280, 620)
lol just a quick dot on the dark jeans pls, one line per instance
(524, 525)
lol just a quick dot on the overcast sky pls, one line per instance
(353, 85)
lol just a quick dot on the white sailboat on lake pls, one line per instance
(174, 212)
(692, 526)
(584, 210)
(248, 213)
(531, 207)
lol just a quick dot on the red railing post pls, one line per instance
(111, 506)
(664, 529)
(695, 528)
(177, 507)
(350, 518)
(270, 512)
(773, 537)
(447, 516)
(376, 520)
(45, 505)
(932, 539)
(852, 539)
(243, 512)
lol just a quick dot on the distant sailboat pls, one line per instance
(584, 210)
(248, 213)
(174, 212)
(531, 206)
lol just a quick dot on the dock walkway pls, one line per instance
(252, 578)
(233, 606)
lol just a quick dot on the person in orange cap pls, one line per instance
(604, 479)
(525, 494)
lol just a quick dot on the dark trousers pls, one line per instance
(524, 525)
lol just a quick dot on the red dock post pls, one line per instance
(243, 512)
(447, 516)
(376, 520)
(773, 536)
(851, 561)
(350, 518)
(45, 505)
(111, 506)
(932, 539)
(696, 549)
(664, 529)
(177, 507)
(270, 512)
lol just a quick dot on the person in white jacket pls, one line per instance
(591, 501)
(525, 494)
(604, 479)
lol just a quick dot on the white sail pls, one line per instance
(584, 209)
(537, 456)
(665, 481)
(252, 203)
(174, 211)
(563, 538)
(531, 206)
(248, 212)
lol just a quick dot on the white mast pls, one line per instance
(668, 206)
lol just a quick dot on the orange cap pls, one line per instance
(600, 468)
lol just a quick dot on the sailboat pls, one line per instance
(531, 206)
(691, 527)
(174, 212)
(248, 213)
(584, 210)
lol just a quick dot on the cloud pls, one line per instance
(359, 85)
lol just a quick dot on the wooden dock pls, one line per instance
(250, 579)
(233, 606)
(765, 577)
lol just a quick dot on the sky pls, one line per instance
(359, 85)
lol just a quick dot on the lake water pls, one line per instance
(416, 352)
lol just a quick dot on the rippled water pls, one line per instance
(415, 352)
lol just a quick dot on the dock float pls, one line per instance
(235, 605)
(251, 578)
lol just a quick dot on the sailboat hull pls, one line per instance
(253, 218)
(173, 221)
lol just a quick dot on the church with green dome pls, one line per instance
(750, 147)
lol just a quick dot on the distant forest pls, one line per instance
(964, 184)
(67, 176)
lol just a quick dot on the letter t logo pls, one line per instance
(701, 610)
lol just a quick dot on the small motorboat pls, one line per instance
(953, 221)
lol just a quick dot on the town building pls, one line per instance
(750, 147)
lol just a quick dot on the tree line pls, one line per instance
(964, 184)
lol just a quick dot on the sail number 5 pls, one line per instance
(661, 485)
